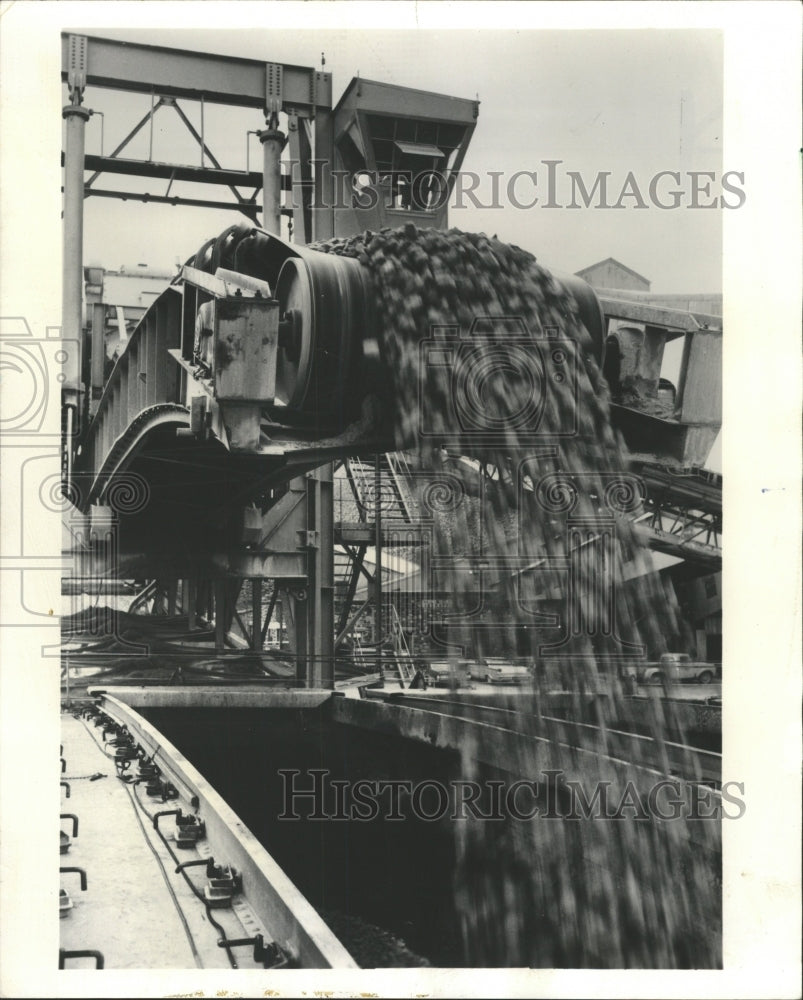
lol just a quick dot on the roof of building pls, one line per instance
(611, 260)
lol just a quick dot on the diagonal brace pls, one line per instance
(201, 142)
(134, 131)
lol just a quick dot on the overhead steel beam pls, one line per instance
(174, 171)
(364, 533)
(248, 208)
(213, 564)
(675, 321)
(147, 69)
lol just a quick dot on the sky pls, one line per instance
(639, 101)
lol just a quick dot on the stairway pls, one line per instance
(400, 656)
(396, 495)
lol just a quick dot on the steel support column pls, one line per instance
(323, 210)
(220, 615)
(295, 601)
(75, 118)
(301, 181)
(98, 348)
(272, 145)
(256, 613)
(268, 616)
(378, 562)
(320, 517)
(311, 607)
(190, 602)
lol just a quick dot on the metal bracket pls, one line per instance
(198, 409)
(269, 955)
(224, 283)
(274, 74)
(189, 830)
(83, 953)
(252, 526)
(76, 69)
(308, 539)
(159, 788)
(78, 871)
(314, 77)
(224, 882)
(74, 819)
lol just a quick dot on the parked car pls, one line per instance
(496, 670)
(444, 672)
(677, 667)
